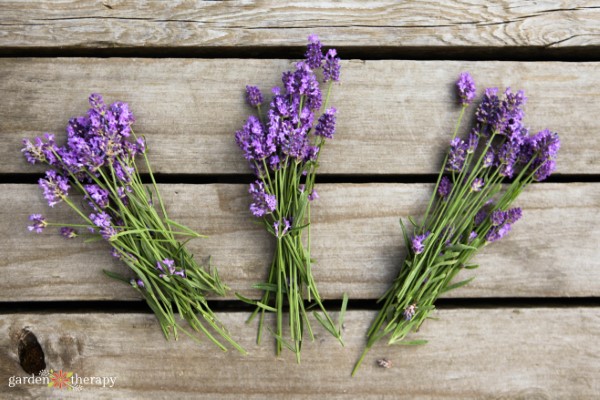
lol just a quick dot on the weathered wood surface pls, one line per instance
(357, 242)
(109, 24)
(395, 117)
(541, 353)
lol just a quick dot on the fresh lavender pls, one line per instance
(469, 209)
(97, 162)
(283, 147)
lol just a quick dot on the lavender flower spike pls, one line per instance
(263, 203)
(68, 233)
(253, 96)
(326, 125)
(39, 223)
(331, 68)
(55, 187)
(466, 88)
(417, 242)
(314, 54)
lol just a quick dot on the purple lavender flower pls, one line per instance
(466, 88)
(98, 196)
(39, 223)
(68, 233)
(180, 272)
(141, 145)
(445, 187)
(477, 184)
(457, 155)
(498, 217)
(254, 141)
(472, 236)
(170, 264)
(55, 187)
(326, 125)
(314, 54)
(543, 147)
(331, 69)
(263, 203)
(101, 219)
(417, 242)
(409, 312)
(40, 150)
(473, 142)
(140, 283)
(497, 232)
(480, 217)
(282, 230)
(489, 159)
(253, 96)
(313, 195)
(513, 215)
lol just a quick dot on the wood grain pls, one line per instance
(83, 24)
(552, 252)
(395, 117)
(541, 353)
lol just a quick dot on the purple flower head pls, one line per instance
(480, 217)
(409, 312)
(513, 215)
(55, 187)
(254, 140)
(101, 219)
(98, 196)
(445, 187)
(262, 202)
(417, 242)
(140, 283)
(477, 184)
(473, 142)
(326, 125)
(498, 217)
(282, 229)
(180, 272)
(68, 233)
(141, 145)
(457, 155)
(497, 232)
(253, 96)
(487, 113)
(507, 158)
(543, 147)
(489, 159)
(331, 68)
(314, 54)
(40, 150)
(466, 88)
(97, 102)
(170, 264)
(313, 195)
(38, 223)
(472, 236)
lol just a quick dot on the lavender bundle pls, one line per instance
(98, 162)
(283, 150)
(470, 208)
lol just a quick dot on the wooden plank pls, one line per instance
(80, 24)
(394, 116)
(552, 252)
(472, 354)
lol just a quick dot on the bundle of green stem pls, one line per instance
(469, 209)
(284, 156)
(98, 162)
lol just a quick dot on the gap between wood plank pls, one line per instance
(321, 178)
(121, 307)
(534, 53)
